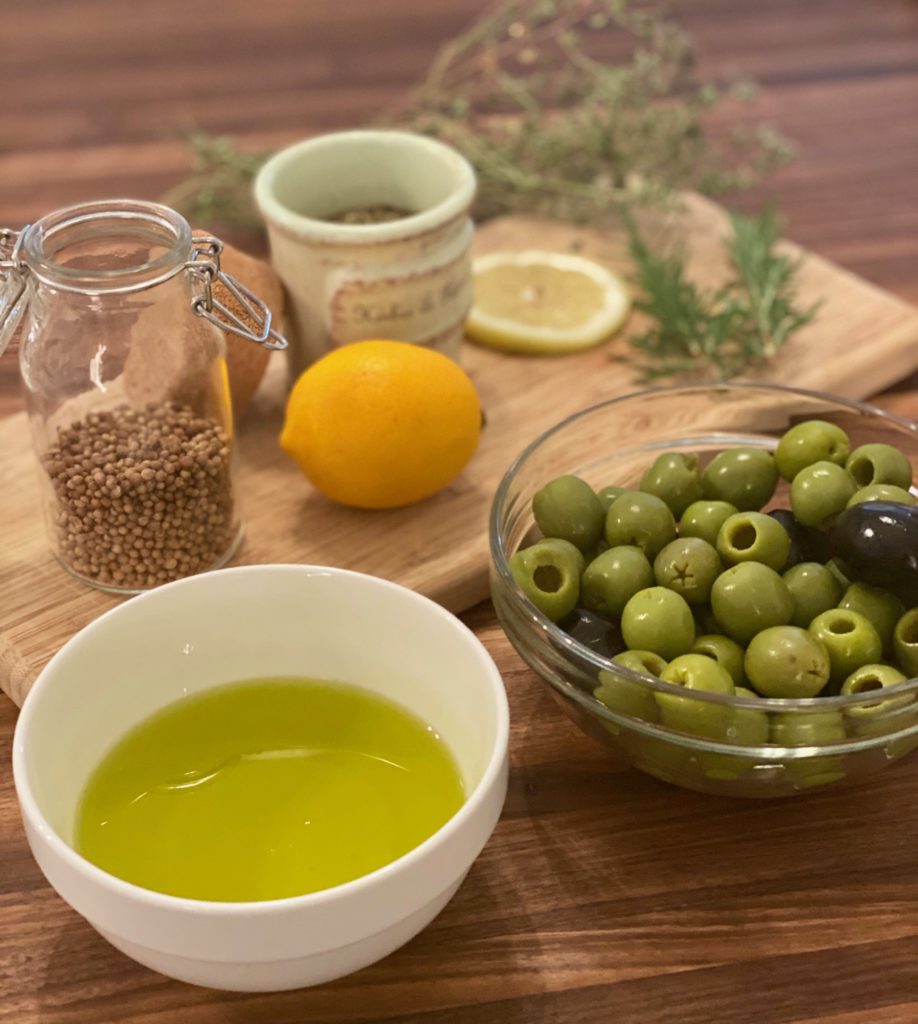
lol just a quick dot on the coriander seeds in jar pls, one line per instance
(123, 363)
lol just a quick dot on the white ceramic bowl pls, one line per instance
(269, 620)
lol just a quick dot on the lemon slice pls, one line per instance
(544, 302)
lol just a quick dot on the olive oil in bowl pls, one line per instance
(264, 789)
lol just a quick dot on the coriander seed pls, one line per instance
(144, 495)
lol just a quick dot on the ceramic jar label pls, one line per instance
(420, 307)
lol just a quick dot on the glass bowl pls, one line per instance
(811, 743)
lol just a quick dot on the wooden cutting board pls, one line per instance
(863, 340)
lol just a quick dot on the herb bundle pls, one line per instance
(723, 332)
(572, 107)
(219, 189)
(579, 109)
(568, 108)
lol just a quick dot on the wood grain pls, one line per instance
(862, 340)
(604, 895)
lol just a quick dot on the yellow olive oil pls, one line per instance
(266, 788)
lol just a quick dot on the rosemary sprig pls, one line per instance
(718, 333)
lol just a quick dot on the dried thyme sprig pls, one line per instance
(565, 107)
(219, 189)
(722, 332)
(571, 107)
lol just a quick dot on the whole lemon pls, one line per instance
(380, 424)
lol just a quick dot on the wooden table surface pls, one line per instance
(603, 895)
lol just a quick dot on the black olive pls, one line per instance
(877, 542)
(807, 544)
(593, 631)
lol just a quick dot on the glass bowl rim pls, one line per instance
(563, 640)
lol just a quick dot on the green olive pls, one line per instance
(809, 442)
(627, 696)
(658, 620)
(747, 727)
(814, 589)
(645, 662)
(870, 678)
(879, 606)
(548, 573)
(725, 652)
(819, 492)
(881, 492)
(807, 728)
(786, 661)
(613, 578)
(879, 464)
(696, 673)
(639, 519)
(657, 756)
(756, 729)
(674, 478)
(810, 729)
(745, 477)
(839, 574)
(882, 717)
(742, 691)
(608, 494)
(568, 508)
(689, 566)
(849, 638)
(753, 537)
(749, 598)
(905, 643)
(704, 519)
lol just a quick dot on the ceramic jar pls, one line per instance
(406, 279)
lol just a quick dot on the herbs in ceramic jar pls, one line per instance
(381, 213)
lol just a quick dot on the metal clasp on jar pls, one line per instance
(12, 283)
(204, 267)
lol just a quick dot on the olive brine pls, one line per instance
(688, 580)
